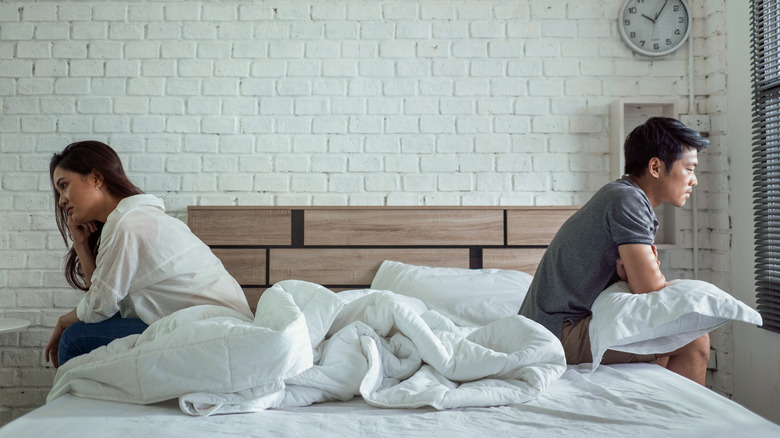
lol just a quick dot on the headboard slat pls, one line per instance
(535, 227)
(519, 259)
(404, 227)
(353, 266)
(241, 226)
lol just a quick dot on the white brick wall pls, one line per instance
(326, 103)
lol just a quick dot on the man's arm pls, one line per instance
(641, 267)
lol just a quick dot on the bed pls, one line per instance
(271, 250)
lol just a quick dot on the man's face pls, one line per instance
(679, 181)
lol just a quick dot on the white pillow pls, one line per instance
(469, 297)
(662, 321)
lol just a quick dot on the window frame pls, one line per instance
(765, 72)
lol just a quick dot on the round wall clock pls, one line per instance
(654, 27)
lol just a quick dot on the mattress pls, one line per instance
(618, 400)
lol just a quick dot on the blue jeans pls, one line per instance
(81, 338)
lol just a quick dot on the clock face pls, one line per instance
(654, 27)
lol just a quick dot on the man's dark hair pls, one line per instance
(661, 137)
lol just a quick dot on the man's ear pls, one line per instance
(655, 166)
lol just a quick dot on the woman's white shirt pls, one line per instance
(150, 265)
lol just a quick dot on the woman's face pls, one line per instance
(80, 195)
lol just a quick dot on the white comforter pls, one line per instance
(308, 345)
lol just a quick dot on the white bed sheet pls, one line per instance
(619, 400)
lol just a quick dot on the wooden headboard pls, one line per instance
(342, 247)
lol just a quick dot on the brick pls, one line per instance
(364, 12)
(163, 31)
(72, 12)
(366, 124)
(397, 49)
(400, 87)
(413, 30)
(359, 49)
(309, 144)
(181, 12)
(437, 124)
(454, 182)
(450, 30)
(272, 183)
(89, 31)
(419, 183)
(487, 29)
(234, 182)
(52, 31)
(145, 12)
(310, 183)
(417, 145)
(77, 86)
(402, 125)
(16, 69)
(472, 87)
(92, 68)
(487, 68)
(339, 68)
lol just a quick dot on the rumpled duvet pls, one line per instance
(307, 344)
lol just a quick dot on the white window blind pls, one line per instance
(765, 54)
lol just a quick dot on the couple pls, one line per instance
(138, 265)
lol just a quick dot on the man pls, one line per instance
(611, 238)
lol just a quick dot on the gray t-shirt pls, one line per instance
(580, 261)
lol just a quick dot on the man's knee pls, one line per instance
(699, 348)
(702, 346)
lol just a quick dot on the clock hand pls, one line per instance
(659, 11)
(648, 18)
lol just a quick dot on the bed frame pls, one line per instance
(342, 247)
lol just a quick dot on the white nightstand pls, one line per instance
(8, 325)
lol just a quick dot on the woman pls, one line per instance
(135, 263)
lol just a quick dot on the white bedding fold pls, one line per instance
(307, 345)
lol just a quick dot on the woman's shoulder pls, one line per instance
(138, 214)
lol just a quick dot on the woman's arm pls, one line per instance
(53, 347)
(80, 234)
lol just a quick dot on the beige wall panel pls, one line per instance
(404, 227)
(355, 265)
(518, 259)
(247, 266)
(240, 226)
(535, 227)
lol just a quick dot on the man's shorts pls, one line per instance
(576, 344)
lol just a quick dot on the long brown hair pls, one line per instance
(84, 157)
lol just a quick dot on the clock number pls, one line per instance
(632, 35)
(655, 46)
(682, 19)
(642, 43)
(677, 31)
(668, 42)
(627, 22)
(632, 10)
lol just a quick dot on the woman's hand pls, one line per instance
(53, 347)
(80, 232)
